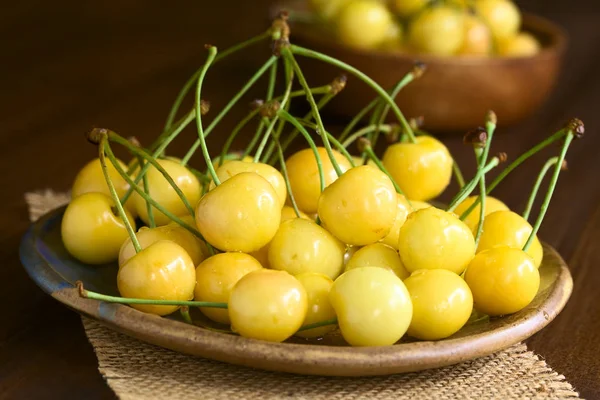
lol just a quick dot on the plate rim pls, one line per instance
(306, 359)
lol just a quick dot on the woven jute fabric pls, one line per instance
(135, 370)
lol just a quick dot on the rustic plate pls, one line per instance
(49, 265)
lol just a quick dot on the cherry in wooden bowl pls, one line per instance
(455, 92)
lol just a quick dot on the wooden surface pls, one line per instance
(71, 65)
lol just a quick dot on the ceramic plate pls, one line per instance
(49, 265)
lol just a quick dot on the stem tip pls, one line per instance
(564, 166)
(576, 126)
(476, 138)
(419, 69)
(502, 157)
(95, 135)
(491, 117)
(363, 143)
(338, 84)
(204, 107)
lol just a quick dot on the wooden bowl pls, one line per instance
(49, 265)
(455, 93)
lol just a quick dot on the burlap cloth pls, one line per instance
(136, 370)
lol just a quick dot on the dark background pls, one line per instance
(70, 65)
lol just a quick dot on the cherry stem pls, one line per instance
(290, 138)
(88, 294)
(114, 137)
(363, 131)
(192, 81)
(460, 180)
(180, 126)
(263, 143)
(332, 321)
(369, 152)
(113, 192)
(291, 119)
(380, 117)
(229, 105)
(212, 52)
(551, 187)
(287, 53)
(149, 209)
(287, 179)
(537, 185)
(240, 125)
(469, 187)
(333, 140)
(322, 57)
(357, 118)
(155, 204)
(185, 314)
(482, 155)
(522, 158)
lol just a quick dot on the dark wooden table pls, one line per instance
(72, 65)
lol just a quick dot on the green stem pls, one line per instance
(357, 118)
(363, 131)
(306, 327)
(114, 137)
(229, 105)
(155, 204)
(240, 125)
(380, 91)
(88, 294)
(185, 314)
(481, 160)
(469, 187)
(149, 209)
(482, 196)
(190, 83)
(522, 158)
(550, 191)
(212, 52)
(288, 117)
(537, 185)
(315, 109)
(113, 192)
(180, 126)
(369, 151)
(333, 140)
(458, 174)
(287, 179)
(290, 138)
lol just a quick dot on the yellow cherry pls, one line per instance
(401, 213)
(503, 280)
(435, 239)
(478, 39)
(419, 205)
(328, 9)
(163, 193)
(350, 250)
(161, 271)
(521, 45)
(216, 163)
(378, 255)
(267, 305)
(304, 176)
(195, 248)
(442, 303)
(406, 8)
(492, 204)
(215, 278)
(273, 176)
(363, 23)
(507, 228)
(91, 179)
(360, 207)
(422, 169)
(303, 246)
(317, 288)
(372, 305)
(91, 231)
(241, 214)
(501, 16)
(262, 255)
(437, 30)
(393, 41)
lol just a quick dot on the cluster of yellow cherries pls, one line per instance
(274, 247)
(444, 28)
